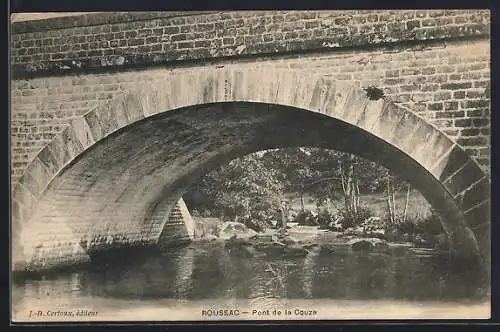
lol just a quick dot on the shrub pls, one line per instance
(408, 227)
(348, 220)
(256, 225)
(430, 226)
(372, 224)
(306, 218)
(324, 217)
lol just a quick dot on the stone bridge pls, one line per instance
(115, 115)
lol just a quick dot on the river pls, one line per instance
(200, 281)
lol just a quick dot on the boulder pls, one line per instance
(289, 241)
(356, 231)
(393, 235)
(236, 241)
(366, 243)
(335, 227)
(267, 238)
(421, 241)
(358, 244)
(376, 233)
(231, 228)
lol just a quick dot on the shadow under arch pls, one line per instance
(128, 180)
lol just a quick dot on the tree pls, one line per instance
(243, 190)
(250, 188)
(350, 187)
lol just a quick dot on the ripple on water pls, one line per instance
(210, 273)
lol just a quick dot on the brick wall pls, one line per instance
(192, 37)
(444, 80)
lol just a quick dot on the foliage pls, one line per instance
(243, 190)
(305, 218)
(372, 224)
(303, 168)
(406, 227)
(325, 217)
(430, 226)
(249, 189)
(348, 220)
(426, 227)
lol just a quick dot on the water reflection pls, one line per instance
(208, 271)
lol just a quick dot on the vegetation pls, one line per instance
(346, 191)
(243, 190)
(306, 218)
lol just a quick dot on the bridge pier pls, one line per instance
(178, 228)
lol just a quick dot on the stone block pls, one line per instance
(82, 132)
(36, 177)
(133, 107)
(436, 148)
(477, 193)
(466, 175)
(50, 159)
(107, 118)
(94, 125)
(456, 160)
(479, 216)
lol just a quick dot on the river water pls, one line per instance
(198, 281)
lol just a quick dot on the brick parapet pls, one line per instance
(159, 40)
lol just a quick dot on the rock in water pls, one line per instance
(366, 244)
(335, 227)
(288, 241)
(360, 244)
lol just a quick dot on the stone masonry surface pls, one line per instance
(442, 72)
(434, 62)
(213, 35)
(445, 83)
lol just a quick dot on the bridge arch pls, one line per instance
(121, 167)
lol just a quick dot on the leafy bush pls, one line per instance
(325, 217)
(348, 220)
(427, 227)
(373, 224)
(406, 227)
(256, 225)
(306, 218)
(430, 226)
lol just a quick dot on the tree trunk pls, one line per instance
(350, 188)
(406, 203)
(389, 203)
(351, 183)
(393, 190)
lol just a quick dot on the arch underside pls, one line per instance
(128, 181)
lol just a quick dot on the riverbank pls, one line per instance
(302, 239)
